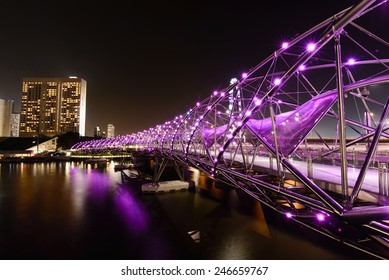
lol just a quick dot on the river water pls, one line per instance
(70, 210)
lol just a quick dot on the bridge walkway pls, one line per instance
(372, 189)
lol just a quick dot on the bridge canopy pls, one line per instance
(292, 127)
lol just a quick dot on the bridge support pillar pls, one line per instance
(319, 153)
(159, 168)
(309, 167)
(270, 161)
(355, 157)
(383, 185)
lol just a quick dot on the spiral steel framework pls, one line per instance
(309, 83)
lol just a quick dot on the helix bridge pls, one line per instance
(263, 133)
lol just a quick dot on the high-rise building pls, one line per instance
(15, 124)
(52, 106)
(110, 131)
(6, 109)
(97, 132)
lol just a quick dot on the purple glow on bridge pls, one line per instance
(271, 126)
(288, 215)
(277, 81)
(320, 217)
(311, 47)
(351, 61)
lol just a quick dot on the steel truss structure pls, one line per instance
(332, 77)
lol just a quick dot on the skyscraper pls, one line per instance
(15, 124)
(110, 131)
(6, 109)
(53, 106)
(97, 132)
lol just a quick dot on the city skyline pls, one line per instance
(144, 66)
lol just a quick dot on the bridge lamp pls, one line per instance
(320, 217)
(244, 75)
(301, 67)
(351, 61)
(277, 81)
(285, 45)
(215, 93)
(288, 215)
(233, 81)
(258, 102)
(311, 47)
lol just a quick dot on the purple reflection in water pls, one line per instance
(131, 211)
(98, 185)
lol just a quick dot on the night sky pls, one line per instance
(144, 63)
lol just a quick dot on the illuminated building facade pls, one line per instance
(6, 108)
(110, 131)
(97, 132)
(15, 124)
(53, 106)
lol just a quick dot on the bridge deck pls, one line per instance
(330, 174)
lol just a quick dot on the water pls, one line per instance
(78, 211)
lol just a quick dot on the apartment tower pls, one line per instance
(6, 109)
(110, 131)
(53, 106)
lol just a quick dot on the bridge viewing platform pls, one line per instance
(256, 133)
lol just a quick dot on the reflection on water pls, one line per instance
(131, 211)
(69, 210)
